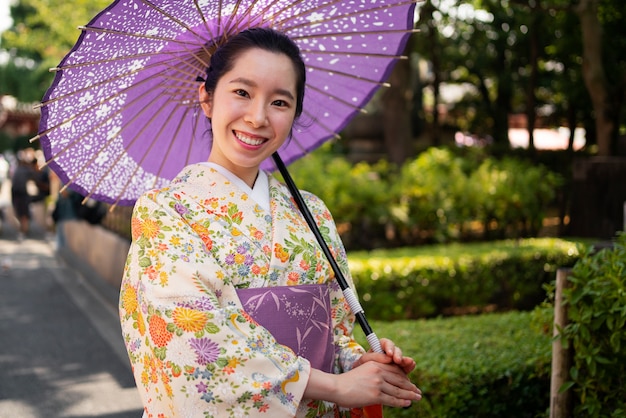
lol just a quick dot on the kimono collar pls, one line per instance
(260, 192)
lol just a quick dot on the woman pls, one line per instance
(228, 306)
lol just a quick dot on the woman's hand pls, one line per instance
(371, 383)
(391, 354)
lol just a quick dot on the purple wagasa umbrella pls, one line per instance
(122, 114)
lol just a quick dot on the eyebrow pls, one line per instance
(252, 83)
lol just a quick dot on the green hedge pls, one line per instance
(493, 365)
(458, 278)
(596, 302)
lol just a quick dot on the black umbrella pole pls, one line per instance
(351, 298)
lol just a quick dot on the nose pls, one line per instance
(256, 115)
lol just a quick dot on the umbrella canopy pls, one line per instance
(122, 114)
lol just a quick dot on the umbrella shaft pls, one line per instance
(352, 300)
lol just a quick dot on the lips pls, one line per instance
(249, 140)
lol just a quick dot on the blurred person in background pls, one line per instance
(4, 176)
(23, 177)
(40, 193)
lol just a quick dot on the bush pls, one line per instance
(495, 365)
(596, 302)
(513, 195)
(458, 278)
(440, 196)
(357, 195)
(430, 196)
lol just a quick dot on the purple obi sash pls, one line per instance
(298, 317)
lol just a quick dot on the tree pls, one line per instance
(396, 113)
(476, 46)
(43, 32)
(519, 55)
(603, 66)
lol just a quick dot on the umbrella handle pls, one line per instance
(352, 300)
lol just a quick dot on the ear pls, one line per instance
(206, 101)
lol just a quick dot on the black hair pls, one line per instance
(223, 59)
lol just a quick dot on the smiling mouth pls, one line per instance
(248, 140)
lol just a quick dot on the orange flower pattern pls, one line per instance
(194, 350)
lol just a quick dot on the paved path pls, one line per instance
(61, 351)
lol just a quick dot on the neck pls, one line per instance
(248, 176)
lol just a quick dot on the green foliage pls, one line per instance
(357, 195)
(458, 278)
(596, 302)
(440, 196)
(46, 29)
(495, 365)
(431, 191)
(43, 32)
(513, 193)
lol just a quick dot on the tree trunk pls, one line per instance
(531, 100)
(397, 113)
(501, 111)
(594, 74)
(560, 402)
(436, 63)
(571, 124)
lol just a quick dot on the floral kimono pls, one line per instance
(204, 259)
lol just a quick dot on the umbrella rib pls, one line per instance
(219, 13)
(139, 163)
(188, 159)
(102, 101)
(302, 149)
(194, 58)
(158, 173)
(180, 71)
(280, 23)
(175, 134)
(330, 131)
(105, 145)
(151, 37)
(345, 15)
(359, 54)
(338, 99)
(260, 14)
(227, 26)
(348, 75)
(174, 19)
(173, 54)
(104, 61)
(354, 34)
(206, 24)
(100, 83)
(134, 34)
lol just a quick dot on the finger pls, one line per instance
(397, 355)
(407, 364)
(393, 395)
(386, 344)
(392, 350)
(377, 357)
(398, 378)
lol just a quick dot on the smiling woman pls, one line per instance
(228, 305)
(251, 111)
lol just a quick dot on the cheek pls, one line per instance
(286, 122)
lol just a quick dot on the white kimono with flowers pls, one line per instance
(195, 352)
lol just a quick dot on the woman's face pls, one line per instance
(252, 111)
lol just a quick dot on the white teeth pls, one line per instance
(247, 140)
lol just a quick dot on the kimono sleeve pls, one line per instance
(193, 349)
